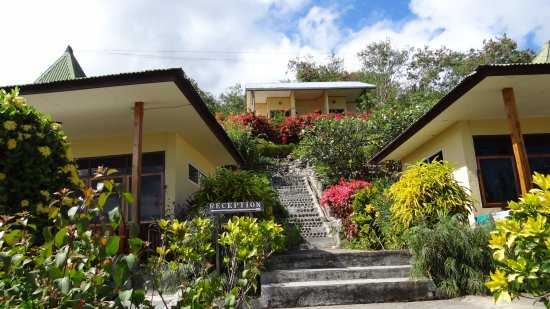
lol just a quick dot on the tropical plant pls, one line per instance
(425, 193)
(248, 244)
(226, 185)
(187, 254)
(453, 254)
(259, 126)
(336, 147)
(521, 247)
(371, 218)
(245, 142)
(35, 157)
(272, 150)
(78, 264)
(338, 198)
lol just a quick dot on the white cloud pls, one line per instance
(266, 34)
(458, 25)
(318, 28)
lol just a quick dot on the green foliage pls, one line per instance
(187, 254)
(306, 70)
(245, 142)
(521, 247)
(232, 100)
(35, 157)
(453, 254)
(426, 192)
(239, 186)
(386, 122)
(372, 218)
(77, 265)
(336, 147)
(272, 150)
(248, 244)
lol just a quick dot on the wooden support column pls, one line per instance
(520, 154)
(292, 103)
(136, 163)
(326, 107)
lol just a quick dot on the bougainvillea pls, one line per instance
(339, 198)
(259, 126)
(35, 157)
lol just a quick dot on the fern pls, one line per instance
(453, 254)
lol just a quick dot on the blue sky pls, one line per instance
(221, 42)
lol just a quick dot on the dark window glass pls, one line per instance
(499, 181)
(152, 162)
(121, 163)
(494, 145)
(435, 157)
(83, 168)
(151, 197)
(537, 143)
(540, 164)
(336, 111)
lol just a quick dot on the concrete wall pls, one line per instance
(178, 153)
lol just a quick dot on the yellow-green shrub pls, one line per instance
(521, 246)
(35, 159)
(425, 192)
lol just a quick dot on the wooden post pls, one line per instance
(520, 154)
(292, 103)
(325, 101)
(136, 163)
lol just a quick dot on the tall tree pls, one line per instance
(207, 97)
(308, 70)
(232, 100)
(383, 66)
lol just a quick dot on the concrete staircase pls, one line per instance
(337, 277)
(300, 200)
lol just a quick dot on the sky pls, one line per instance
(223, 42)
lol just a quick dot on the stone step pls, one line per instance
(341, 292)
(345, 273)
(337, 258)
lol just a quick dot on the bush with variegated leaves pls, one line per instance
(521, 247)
(35, 158)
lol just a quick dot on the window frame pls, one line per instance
(482, 188)
(433, 154)
(200, 171)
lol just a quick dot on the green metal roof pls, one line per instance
(544, 54)
(64, 68)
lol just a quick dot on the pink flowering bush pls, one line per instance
(339, 199)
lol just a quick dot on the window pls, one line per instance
(278, 113)
(497, 168)
(152, 182)
(438, 156)
(336, 110)
(195, 175)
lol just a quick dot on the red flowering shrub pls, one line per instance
(258, 125)
(339, 198)
(289, 129)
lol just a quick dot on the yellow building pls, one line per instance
(494, 127)
(294, 98)
(151, 126)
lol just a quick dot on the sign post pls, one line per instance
(217, 209)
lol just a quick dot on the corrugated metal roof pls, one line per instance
(544, 54)
(308, 85)
(64, 68)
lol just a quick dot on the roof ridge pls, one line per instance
(64, 68)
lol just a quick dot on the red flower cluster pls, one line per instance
(339, 198)
(288, 131)
(260, 126)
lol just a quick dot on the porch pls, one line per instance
(292, 99)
